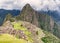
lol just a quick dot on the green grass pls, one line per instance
(17, 26)
(50, 40)
(6, 38)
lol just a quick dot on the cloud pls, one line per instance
(36, 4)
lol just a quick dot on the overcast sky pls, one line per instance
(36, 4)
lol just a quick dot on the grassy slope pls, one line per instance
(50, 38)
(6, 38)
(17, 26)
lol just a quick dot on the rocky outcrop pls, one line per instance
(28, 14)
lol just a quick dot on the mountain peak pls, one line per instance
(27, 7)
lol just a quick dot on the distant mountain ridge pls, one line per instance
(54, 14)
(3, 14)
(13, 12)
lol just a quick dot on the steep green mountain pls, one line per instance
(43, 21)
(24, 32)
(28, 14)
(9, 17)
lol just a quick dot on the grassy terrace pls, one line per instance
(18, 26)
(6, 38)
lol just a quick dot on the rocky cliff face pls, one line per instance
(29, 15)
(43, 21)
